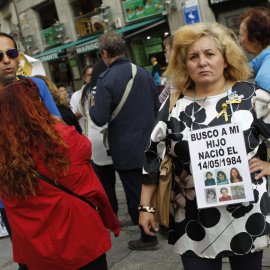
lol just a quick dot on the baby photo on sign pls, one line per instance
(225, 196)
(209, 178)
(221, 175)
(238, 192)
(210, 195)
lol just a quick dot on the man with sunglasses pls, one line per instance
(9, 65)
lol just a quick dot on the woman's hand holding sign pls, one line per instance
(256, 165)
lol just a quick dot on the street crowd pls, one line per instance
(59, 153)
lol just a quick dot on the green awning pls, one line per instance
(53, 53)
(137, 25)
(92, 44)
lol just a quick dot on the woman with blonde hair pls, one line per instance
(209, 71)
(62, 104)
(51, 229)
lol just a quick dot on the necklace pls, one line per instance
(223, 107)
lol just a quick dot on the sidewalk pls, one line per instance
(120, 257)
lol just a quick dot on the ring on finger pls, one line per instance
(261, 168)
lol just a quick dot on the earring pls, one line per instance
(225, 65)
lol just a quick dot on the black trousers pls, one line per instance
(251, 261)
(106, 175)
(98, 264)
(132, 184)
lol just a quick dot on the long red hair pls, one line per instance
(27, 126)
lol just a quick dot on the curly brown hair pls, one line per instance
(54, 91)
(226, 43)
(26, 127)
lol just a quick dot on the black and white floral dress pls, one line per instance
(223, 231)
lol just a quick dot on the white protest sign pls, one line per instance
(220, 166)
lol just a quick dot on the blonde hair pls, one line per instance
(227, 44)
(54, 91)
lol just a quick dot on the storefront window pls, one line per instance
(87, 16)
(48, 15)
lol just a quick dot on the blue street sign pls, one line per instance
(191, 13)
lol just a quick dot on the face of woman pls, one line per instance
(224, 193)
(211, 195)
(205, 62)
(234, 173)
(249, 46)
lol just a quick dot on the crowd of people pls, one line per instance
(57, 178)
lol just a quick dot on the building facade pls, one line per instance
(63, 33)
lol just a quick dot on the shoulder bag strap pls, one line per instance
(51, 182)
(126, 93)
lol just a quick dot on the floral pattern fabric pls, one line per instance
(222, 231)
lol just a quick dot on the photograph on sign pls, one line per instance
(220, 166)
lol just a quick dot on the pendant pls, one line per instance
(235, 98)
(224, 111)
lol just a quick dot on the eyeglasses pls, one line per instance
(89, 74)
(11, 53)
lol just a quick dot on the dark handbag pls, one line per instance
(51, 182)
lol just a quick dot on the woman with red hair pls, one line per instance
(51, 229)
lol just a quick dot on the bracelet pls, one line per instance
(147, 209)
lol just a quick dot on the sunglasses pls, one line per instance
(11, 53)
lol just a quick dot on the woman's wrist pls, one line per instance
(148, 209)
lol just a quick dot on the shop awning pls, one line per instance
(54, 53)
(92, 44)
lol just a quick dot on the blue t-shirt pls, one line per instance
(209, 182)
(48, 101)
(46, 96)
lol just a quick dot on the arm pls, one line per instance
(100, 112)
(260, 106)
(147, 220)
(153, 157)
(75, 106)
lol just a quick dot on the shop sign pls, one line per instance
(49, 37)
(213, 2)
(87, 47)
(50, 56)
(191, 12)
(221, 3)
(137, 9)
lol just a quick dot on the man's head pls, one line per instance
(168, 43)
(10, 61)
(62, 90)
(87, 73)
(110, 46)
(255, 30)
(153, 60)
